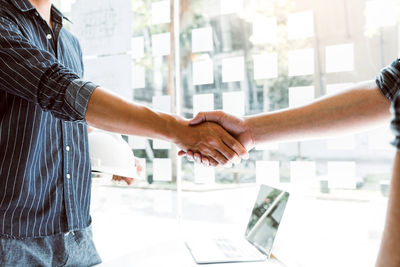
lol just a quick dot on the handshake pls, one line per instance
(216, 139)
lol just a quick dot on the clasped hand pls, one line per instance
(222, 139)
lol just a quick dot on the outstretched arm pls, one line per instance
(112, 113)
(360, 107)
(389, 251)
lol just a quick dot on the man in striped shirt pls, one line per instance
(360, 107)
(45, 107)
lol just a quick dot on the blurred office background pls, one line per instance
(245, 57)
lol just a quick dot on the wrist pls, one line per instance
(174, 128)
(250, 129)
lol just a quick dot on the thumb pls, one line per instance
(213, 116)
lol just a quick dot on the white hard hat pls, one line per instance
(109, 153)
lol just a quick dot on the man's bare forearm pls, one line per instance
(112, 113)
(359, 108)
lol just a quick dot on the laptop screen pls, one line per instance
(266, 217)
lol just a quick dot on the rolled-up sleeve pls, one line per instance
(37, 76)
(388, 80)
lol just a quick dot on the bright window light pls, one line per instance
(380, 13)
(137, 142)
(301, 62)
(264, 30)
(203, 102)
(268, 146)
(301, 25)
(332, 89)
(342, 175)
(203, 175)
(162, 103)
(301, 95)
(138, 47)
(65, 5)
(203, 71)
(113, 72)
(231, 6)
(161, 144)
(162, 170)
(265, 66)
(138, 77)
(164, 202)
(267, 172)
(202, 40)
(233, 103)
(233, 69)
(380, 139)
(342, 143)
(160, 12)
(302, 173)
(161, 44)
(340, 58)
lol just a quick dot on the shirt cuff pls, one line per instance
(388, 80)
(77, 96)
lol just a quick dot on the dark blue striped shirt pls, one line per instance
(389, 83)
(45, 175)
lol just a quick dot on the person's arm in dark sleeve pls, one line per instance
(37, 76)
(388, 80)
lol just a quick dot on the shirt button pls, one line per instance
(68, 176)
(67, 148)
(48, 36)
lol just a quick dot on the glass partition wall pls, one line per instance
(248, 57)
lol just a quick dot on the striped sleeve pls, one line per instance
(395, 123)
(388, 80)
(37, 76)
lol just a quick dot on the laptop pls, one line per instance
(256, 245)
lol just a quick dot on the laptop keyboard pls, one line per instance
(234, 249)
